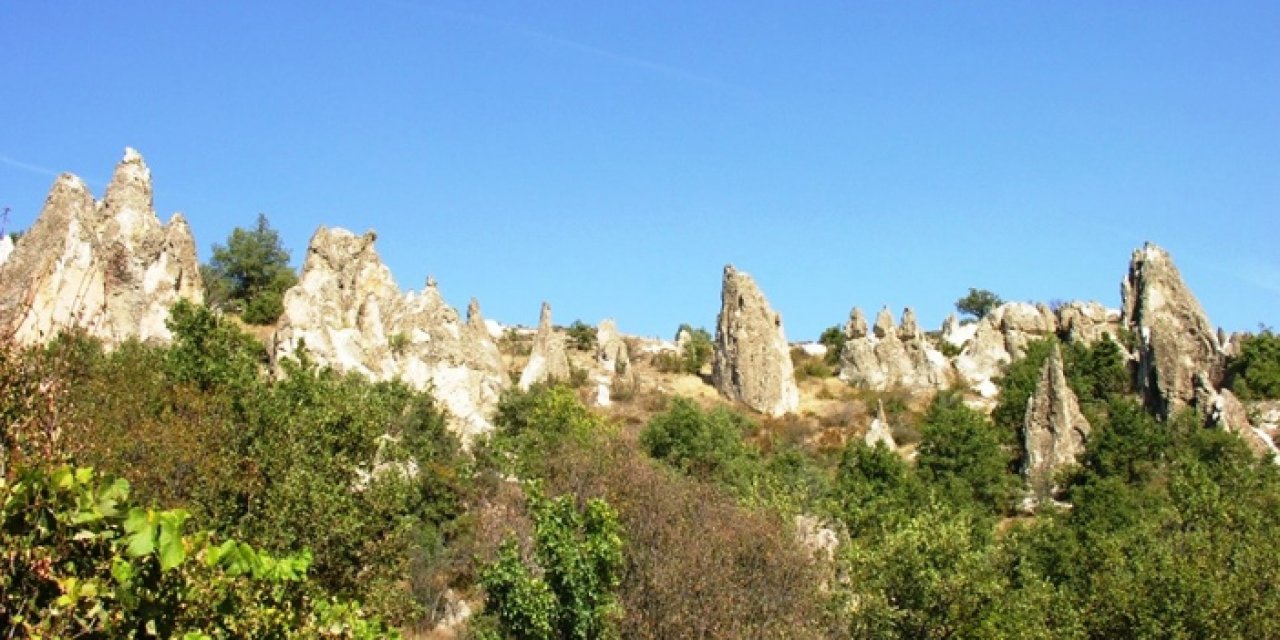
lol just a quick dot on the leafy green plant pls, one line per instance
(572, 594)
(978, 303)
(82, 560)
(833, 339)
(582, 336)
(1255, 372)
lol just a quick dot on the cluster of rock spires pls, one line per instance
(348, 313)
(108, 267)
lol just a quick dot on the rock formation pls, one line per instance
(890, 357)
(1054, 430)
(1175, 340)
(753, 360)
(549, 359)
(108, 267)
(1221, 409)
(611, 350)
(1088, 322)
(1000, 338)
(350, 314)
(879, 431)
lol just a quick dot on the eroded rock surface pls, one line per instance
(108, 267)
(879, 431)
(6, 248)
(1054, 429)
(350, 314)
(549, 359)
(753, 360)
(1175, 340)
(891, 357)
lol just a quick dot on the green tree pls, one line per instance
(704, 444)
(582, 336)
(250, 274)
(978, 303)
(1255, 373)
(960, 454)
(698, 350)
(574, 595)
(833, 338)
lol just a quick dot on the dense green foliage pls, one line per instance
(1096, 373)
(80, 559)
(582, 336)
(960, 453)
(1255, 372)
(978, 303)
(250, 274)
(573, 592)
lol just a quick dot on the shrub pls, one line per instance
(833, 338)
(705, 444)
(960, 454)
(1255, 372)
(582, 336)
(250, 274)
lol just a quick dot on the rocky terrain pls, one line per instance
(110, 268)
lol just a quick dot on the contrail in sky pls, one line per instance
(534, 34)
(29, 168)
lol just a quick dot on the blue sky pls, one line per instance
(611, 159)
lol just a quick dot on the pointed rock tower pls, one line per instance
(1175, 340)
(753, 360)
(108, 267)
(1054, 430)
(549, 359)
(879, 431)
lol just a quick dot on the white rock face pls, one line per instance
(549, 358)
(108, 267)
(6, 248)
(891, 357)
(753, 360)
(350, 314)
(880, 432)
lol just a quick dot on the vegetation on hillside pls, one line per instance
(250, 274)
(226, 503)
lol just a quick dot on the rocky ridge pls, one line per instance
(349, 313)
(108, 267)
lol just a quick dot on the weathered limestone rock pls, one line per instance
(753, 360)
(109, 267)
(549, 359)
(1223, 410)
(611, 349)
(1088, 322)
(1054, 430)
(879, 431)
(1000, 338)
(350, 314)
(1176, 340)
(891, 357)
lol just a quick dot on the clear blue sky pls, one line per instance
(611, 160)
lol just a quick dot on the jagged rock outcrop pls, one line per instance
(879, 431)
(1088, 322)
(1175, 340)
(1000, 338)
(1054, 430)
(753, 360)
(891, 357)
(350, 314)
(1221, 409)
(108, 267)
(549, 359)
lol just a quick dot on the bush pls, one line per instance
(833, 338)
(1255, 372)
(704, 444)
(82, 560)
(960, 454)
(697, 352)
(582, 336)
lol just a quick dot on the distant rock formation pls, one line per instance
(753, 360)
(1088, 322)
(1221, 409)
(1054, 429)
(549, 359)
(1001, 337)
(108, 267)
(879, 431)
(890, 357)
(1175, 340)
(611, 350)
(349, 313)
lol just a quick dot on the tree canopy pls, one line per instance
(250, 274)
